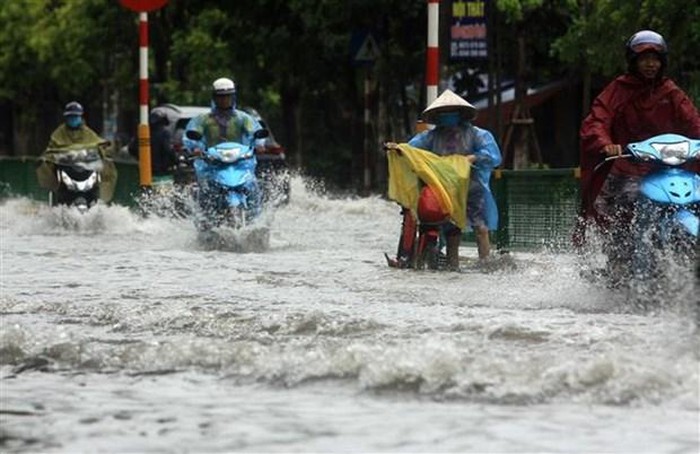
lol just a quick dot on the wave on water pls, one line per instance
(27, 217)
(532, 331)
(492, 357)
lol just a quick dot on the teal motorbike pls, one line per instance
(665, 226)
(227, 192)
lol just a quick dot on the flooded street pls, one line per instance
(122, 334)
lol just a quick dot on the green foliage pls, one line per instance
(601, 28)
(56, 50)
(203, 54)
(291, 58)
(16, 55)
(515, 10)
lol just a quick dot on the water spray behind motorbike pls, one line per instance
(227, 194)
(656, 266)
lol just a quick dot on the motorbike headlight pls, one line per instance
(68, 182)
(230, 154)
(673, 153)
(89, 183)
(227, 155)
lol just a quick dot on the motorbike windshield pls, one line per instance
(80, 158)
(671, 149)
(229, 152)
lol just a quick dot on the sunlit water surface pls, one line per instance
(121, 333)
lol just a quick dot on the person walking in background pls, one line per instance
(163, 157)
(455, 134)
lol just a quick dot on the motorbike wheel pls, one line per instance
(236, 218)
(81, 200)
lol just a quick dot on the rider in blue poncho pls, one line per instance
(224, 123)
(454, 134)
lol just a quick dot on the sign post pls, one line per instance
(365, 51)
(432, 60)
(144, 134)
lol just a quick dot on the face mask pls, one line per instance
(74, 121)
(448, 119)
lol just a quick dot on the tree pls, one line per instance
(53, 52)
(597, 24)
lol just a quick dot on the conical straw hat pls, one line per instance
(448, 101)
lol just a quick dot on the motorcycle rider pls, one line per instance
(637, 105)
(162, 154)
(74, 131)
(455, 134)
(224, 122)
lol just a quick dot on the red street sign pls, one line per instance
(143, 6)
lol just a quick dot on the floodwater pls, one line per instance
(123, 334)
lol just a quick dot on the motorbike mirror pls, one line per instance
(261, 133)
(193, 135)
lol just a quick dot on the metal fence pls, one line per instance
(18, 178)
(537, 208)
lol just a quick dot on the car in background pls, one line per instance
(272, 169)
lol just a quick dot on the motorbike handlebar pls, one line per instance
(624, 155)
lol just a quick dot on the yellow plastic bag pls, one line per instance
(447, 175)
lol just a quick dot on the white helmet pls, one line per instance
(223, 86)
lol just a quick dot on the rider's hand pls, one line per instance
(471, 158)
(612, 150)
(390, 145)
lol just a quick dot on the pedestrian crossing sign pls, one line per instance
(364, 48)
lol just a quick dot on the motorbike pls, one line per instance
(77, 170)
(226, 191)
(424, 222)
(421, 240)
(664, 228)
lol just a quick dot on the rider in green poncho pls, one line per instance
(74, 131)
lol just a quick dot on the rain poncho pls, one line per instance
(64, 137)
(447, 175)
(628, 110)
(467, 139)
(222, 126)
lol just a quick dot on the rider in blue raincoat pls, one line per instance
(224, 123)
(454, 134)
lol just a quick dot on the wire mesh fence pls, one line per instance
(537, 208)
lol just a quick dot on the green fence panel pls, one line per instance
(537, 208)
(128, 183)
(18, 178)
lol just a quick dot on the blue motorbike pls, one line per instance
(666, 223)
(227, 192)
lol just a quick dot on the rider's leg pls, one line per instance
(452, 245)
(483, 243)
